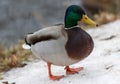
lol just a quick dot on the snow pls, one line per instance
(101, 67)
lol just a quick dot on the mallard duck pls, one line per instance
(63, 45)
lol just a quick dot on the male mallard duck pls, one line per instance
(63, 45)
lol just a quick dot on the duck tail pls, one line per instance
(26, 45)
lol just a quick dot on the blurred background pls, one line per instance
(19, 17)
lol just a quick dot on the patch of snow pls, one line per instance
(101, 67)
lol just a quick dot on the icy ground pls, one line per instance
(101, 67)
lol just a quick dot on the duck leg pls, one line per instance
(72, 70)
(52, 77)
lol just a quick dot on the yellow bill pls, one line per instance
(87, 20)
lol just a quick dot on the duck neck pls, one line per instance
(72, 27)
(69, 24)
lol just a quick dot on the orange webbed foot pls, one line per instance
(56, 77)
(72, 70)
(51, 76)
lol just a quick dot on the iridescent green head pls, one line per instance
(74, 14)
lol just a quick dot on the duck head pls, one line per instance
(75, 14)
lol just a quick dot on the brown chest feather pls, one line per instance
(79, 44)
